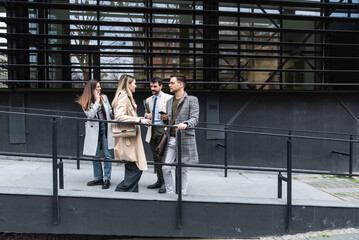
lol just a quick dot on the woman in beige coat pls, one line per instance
(129, 148)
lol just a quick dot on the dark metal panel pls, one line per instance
(230, 220)
(17, 123)
(212, 116)
(329, 218)
(153, 218)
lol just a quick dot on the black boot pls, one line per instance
(157, 184)
(162, 189)
(95, 182)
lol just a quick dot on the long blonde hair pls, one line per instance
(123, 87)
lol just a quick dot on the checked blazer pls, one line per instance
(189, 114)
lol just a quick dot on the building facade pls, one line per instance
(263, 66)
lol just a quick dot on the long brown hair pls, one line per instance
(87, 96)
(123, 87)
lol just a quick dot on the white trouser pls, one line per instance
(170, 157)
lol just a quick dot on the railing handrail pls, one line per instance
(209, 123)
(195, 128)
(202, 165)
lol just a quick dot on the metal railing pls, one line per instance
(57, 163)
(225, 125)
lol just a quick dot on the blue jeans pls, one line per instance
(97, 165)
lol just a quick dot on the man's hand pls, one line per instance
(164, 117)
(182, 126)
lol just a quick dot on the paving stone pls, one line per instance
(288, 237)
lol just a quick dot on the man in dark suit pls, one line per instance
(155, 104)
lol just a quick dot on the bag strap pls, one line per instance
(176, 114)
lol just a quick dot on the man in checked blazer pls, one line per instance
(187, 117)
(155, 104)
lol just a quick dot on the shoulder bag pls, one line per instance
(162, 143)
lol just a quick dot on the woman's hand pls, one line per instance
(145, 121)
(97, 96)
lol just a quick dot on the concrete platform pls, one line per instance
(203, 184)
(241, 200)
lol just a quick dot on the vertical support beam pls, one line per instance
(289, 182)
(97, 56)
(150, 46)
(211, 61)
(226, 151)
(146, 42)
(18, 57)
(280, 60)
(179, 182)
(351, 155)
(184, 33)
(61, 174)
(64, 73)
(239, 45)
(324, 13)
(98, 15)
(194, 44)
(41, 56)
(78, 143)
(96, 62)
(54, 172)
(280, 185)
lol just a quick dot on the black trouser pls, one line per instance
(132, 177)
(156, 136)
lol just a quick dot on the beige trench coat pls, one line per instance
(131, 148)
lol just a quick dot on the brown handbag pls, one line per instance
(123, 130)
(162, 143)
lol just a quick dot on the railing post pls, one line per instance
(61, 173)
(225, 151)
(54, 172)
(280, 185)
(351, 156)
(179, 182)
(289, 181)
(78, 143)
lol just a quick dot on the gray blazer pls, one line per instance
(92, 128)
(189, 114)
